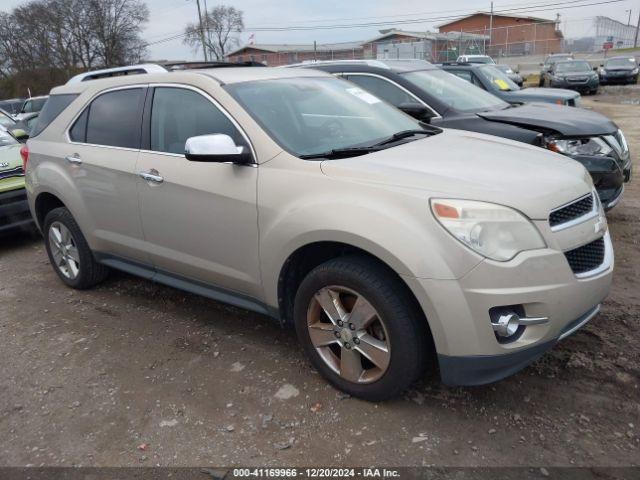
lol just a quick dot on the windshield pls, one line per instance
(504, 68)
(560, 58)
(620, 62)
(454, 92)
(311, 115)
(497, 78)
(33, 105)
(6, 120)
(6, 138)
(480, 59)
(570, 67)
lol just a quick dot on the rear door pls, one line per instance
(200, 219)
(101, 159)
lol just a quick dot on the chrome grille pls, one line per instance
(572, 211)
(14, 172)
(586, 258)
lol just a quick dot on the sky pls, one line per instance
(168, 17)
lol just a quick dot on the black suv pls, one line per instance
(495, 81)
(619, 70)
(549, 62)
(440, 98)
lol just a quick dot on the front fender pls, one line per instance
(391, 223)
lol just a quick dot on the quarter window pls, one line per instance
(114, 119)
(178, 114)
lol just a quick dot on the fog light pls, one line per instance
(507, 325)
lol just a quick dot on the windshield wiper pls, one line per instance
(406, 134)
(356, 151)
(342, 152)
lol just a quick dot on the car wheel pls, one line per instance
(69, 252)
(541, 82)
(360, 328)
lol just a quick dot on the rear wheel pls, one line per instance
(69, 252)
(360, 328)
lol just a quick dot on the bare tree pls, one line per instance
(43, 42)
(117, 28)
(220, 24)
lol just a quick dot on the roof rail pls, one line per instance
(216, 64)
(311, 63)
(460, 64)
(118, 71)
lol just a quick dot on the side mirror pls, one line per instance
(20, 134)
(215, 148)
(595, 69)
(542, 64)
(416, 110)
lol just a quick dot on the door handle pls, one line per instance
(152, 176)
(74, 159)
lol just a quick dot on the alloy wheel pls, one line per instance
(64, 250)
(348, 334)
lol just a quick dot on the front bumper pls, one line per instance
(540, 282)
(608, 175)
(483, 369)
(579, 86)
(14, 210)
(624, 78)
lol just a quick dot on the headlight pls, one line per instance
(603, 71)
(634, 71)
(493, 231)
(580, 146)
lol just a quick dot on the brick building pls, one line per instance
(389, 44)
(284, 54)
(511, 34)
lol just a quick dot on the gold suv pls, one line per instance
(389, 244)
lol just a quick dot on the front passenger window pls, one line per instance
(178, 114)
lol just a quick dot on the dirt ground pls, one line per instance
(133, 373)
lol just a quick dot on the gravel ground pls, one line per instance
(134, 373)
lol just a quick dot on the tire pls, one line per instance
(541, 82)
(78, 269)
(398, 323)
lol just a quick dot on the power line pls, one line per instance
(543, 8)
(570, 4)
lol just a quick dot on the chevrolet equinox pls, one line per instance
(388, 244)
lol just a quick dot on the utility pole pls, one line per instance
(490, 29)
(629, 20)
(204, 45)
(635, 41)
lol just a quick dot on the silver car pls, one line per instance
(389, 245)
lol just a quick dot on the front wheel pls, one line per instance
(360, 328)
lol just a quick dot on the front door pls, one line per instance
(199, 219)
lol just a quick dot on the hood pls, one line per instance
(459, 164)
(10, 154)
(546, 94)
(10, 168)
(567, 121)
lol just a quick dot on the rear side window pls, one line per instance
(178, 114)
(114, 119)
(53, 107)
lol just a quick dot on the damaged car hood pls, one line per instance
(567, 121)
